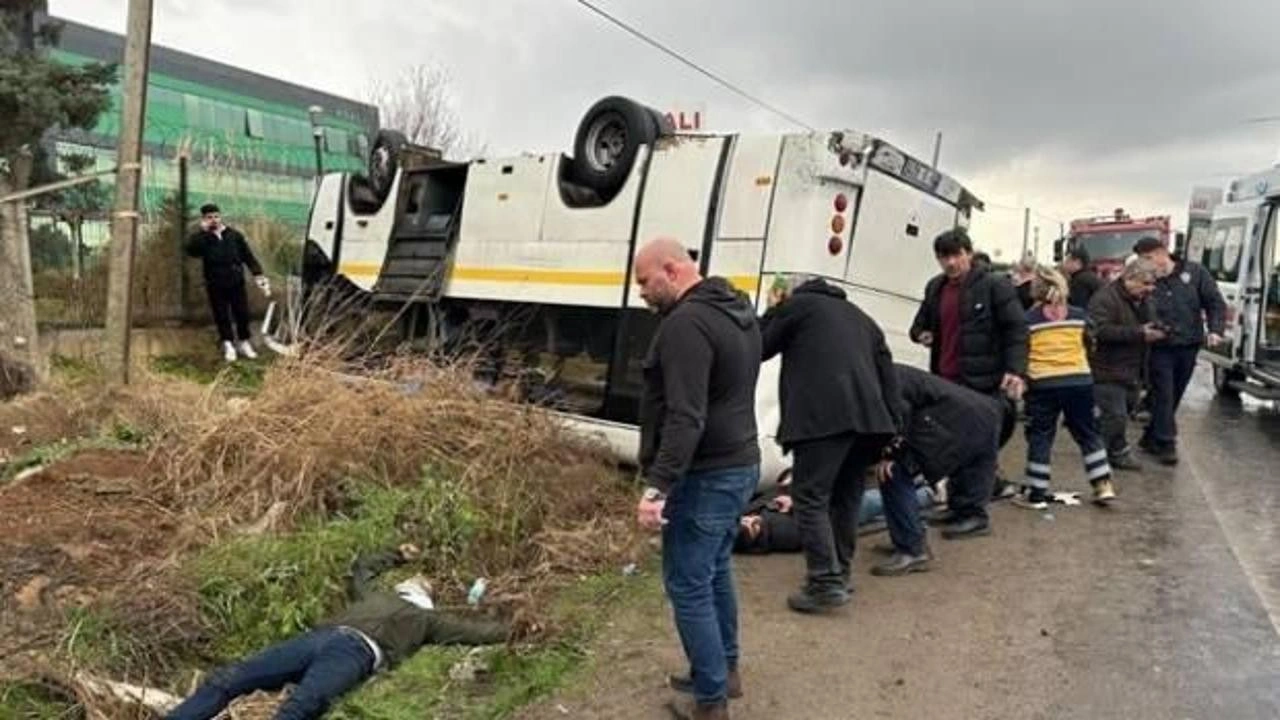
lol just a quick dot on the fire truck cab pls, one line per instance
(1109, 239)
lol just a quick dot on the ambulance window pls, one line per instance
(1225, 249)
(1231, 252)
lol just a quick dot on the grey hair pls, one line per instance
(1140, 269)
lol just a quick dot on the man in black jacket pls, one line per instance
(225, 254)
(1123, 329)
(950, 431)
(1185, 296)
(700, 456)
(976, 331)
(1082, 282)
(377, 631)
(837, 394)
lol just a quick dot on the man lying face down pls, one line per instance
(769, 527)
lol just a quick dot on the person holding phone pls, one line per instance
(225, 254)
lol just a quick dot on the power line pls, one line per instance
(691, 64)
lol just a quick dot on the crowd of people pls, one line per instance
(1067, 346)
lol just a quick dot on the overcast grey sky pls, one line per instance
(1074, 107)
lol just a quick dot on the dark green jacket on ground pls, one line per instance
(400, 627)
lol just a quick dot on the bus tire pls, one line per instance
(608, 140)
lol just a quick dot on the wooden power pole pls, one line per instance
(124, 219)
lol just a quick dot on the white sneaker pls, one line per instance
(228, 352)
(246, 350)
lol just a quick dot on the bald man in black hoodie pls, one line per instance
(700, 455)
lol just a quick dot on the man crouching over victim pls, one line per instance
(950, 430)
(700, 457)
(378, 631)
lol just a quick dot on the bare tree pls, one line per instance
(418, 103)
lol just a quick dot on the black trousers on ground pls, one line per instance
(1114, 401)
(829, 479)
(229, 304)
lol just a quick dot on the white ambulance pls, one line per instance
(539, 247)
(1240, 251)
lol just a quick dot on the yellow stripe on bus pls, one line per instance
(536, 276)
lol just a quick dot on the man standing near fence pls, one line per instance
(700, 457)
(225, 253)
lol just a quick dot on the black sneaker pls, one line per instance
(1034, 498)
(1167, 456)
(1125, 462)
(901, 564)
(967, 528)
(809, 600)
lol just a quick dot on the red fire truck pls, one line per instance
(1109, 239)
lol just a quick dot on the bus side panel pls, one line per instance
(590, 244)
(893, 237)
(502, 213)
(365, 238)
(677, 195)
(748, 189)
(801, 225)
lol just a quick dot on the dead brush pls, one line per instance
(549, 500)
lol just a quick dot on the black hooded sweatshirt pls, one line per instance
(697, 412)
(837, 370)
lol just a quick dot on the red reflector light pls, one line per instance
(842, 203)
(835, 245)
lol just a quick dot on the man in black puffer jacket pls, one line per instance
(976, 331)
(838, 394)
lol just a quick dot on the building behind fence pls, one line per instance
(224, 135)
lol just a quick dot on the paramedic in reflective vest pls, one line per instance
(1185, 296)
(376, 632)
(838, 395)
(225, 254)
(700, 457)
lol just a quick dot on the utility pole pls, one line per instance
(1037, 244)
(124, 220)
(1026, 230)
(937, 149)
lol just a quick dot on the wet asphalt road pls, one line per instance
(1166, 605)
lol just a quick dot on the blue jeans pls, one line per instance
(902, 511)
(873, 504)
(702, 512)
(1169, 371)
(324, 663)
(1074, 405)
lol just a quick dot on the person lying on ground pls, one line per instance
(376, 632)
(768, 526)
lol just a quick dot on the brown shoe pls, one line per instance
(684, 684)
(688, 710)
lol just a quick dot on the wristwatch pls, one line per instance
(653, 494)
